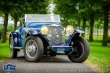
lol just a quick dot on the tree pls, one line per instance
(5, 6)
(15, 8)
(84, 26)
(18, 9)
(90, 8)
(67, 10)
(37, 6)
(106, 8)
(91, 27)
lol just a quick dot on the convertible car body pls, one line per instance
(43, 35)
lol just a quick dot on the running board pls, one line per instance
(17, 47)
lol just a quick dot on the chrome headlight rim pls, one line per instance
(46, 27)
(70, 33)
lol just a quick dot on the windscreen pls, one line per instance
(42, 18)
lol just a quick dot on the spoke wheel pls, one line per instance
(33, 48)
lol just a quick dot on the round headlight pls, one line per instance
(69, 29)
(44, 30)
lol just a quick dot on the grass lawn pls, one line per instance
(4, 50)
(99, 57)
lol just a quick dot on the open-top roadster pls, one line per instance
(43, 35)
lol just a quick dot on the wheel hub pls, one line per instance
(31, 48)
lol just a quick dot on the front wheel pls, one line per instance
(81, 50)
(33, 48)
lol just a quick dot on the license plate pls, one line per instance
(60, 49)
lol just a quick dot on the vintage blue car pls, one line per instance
(43, 35)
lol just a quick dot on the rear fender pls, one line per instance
(14, 35)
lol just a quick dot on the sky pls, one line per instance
(9, 21)
(51, 8)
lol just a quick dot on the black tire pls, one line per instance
(83, 49)
(40, 49)
(13, 52)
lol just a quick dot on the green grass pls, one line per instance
(4, 50)
(99, 55)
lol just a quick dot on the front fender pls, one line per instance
(75, 34)
(37, 33)
(27, 32)
(79, 31)
(31, 31)
(34, 32)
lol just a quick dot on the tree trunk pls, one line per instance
(15, 21)
(20, 23)
(91, 27)
(84, 26)
(3, 37)
(78, 24)
(97, 32)
(105, 28)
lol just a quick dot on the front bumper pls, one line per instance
(61, 48)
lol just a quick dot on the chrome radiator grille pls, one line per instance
(56, 34)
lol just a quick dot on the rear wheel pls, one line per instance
(33, 48)
(81, 50)
(13, 52)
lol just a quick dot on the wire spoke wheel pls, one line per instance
(31, 48)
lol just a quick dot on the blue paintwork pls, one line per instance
(38, 25)
(71, 36)
(22, 32)
(19, 39)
